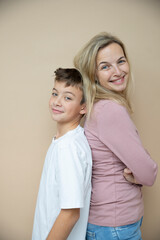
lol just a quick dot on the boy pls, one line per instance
(64, 194)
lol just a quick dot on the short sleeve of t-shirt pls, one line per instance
(70, 174)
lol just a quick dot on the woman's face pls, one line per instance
(112, 68)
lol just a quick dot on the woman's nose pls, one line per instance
(117, 70)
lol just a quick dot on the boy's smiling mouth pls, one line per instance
(54, 110)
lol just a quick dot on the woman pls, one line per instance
(116, 209)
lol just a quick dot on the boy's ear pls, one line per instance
(83, 109)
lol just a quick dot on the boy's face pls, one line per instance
(65, 104)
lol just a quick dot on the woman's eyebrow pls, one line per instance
(105, 62)
(121, 57)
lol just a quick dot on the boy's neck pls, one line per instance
(62, 129)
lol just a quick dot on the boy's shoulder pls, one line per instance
(71, 137)
(74, 147)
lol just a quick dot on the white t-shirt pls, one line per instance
(65, 184)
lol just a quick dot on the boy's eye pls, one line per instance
(54, 94)
(68, 98)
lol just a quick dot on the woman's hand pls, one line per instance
(129, 176)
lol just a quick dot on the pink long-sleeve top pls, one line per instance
(115, 145)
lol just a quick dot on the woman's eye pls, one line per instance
(105, 67)
(122, 61)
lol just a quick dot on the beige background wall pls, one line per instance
(36, 37)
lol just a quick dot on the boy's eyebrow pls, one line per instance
(54, 89)
(70, 93)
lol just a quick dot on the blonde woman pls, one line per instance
(121, 166)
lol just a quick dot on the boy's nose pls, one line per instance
(57, 101)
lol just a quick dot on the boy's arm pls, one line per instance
(64, 224)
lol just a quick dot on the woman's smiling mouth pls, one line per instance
(118, 81)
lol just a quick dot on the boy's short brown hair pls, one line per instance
(71, 77)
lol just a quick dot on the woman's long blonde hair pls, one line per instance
(85, 62)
